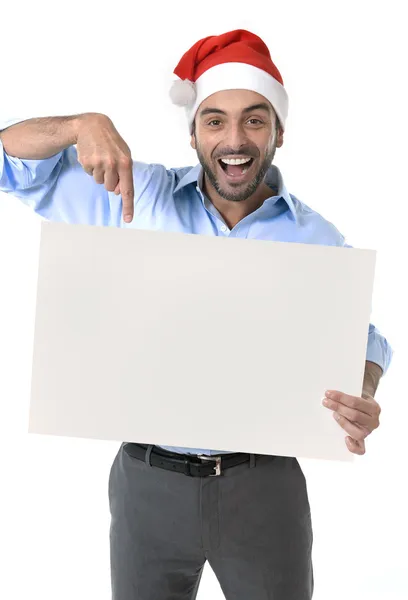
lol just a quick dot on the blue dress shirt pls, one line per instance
(58, 189)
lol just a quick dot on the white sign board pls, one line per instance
(187, 340)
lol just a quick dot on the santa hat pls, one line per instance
(234, 60)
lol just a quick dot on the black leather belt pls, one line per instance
(190, 465)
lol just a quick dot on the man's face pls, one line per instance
(236, 124)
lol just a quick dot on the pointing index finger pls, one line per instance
(127, 191)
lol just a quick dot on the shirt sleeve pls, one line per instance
(379, 350)
(58, 188)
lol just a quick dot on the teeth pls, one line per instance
(235, 161)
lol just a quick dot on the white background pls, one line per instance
(344, 155)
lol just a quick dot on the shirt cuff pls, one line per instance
(379, 350)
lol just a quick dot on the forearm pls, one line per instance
(372, 376)
(37, 139)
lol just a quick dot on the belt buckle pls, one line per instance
(216, 459)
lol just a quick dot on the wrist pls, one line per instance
(372, 376)
(73, 125)
(78, 122)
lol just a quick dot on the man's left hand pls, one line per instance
(358, 416)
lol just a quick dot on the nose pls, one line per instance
(235, 137)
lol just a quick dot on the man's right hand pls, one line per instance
(105, 156)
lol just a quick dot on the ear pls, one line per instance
(279, 138)
(193, 142)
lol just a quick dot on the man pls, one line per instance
(175, 508)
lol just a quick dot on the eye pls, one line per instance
(217, 121)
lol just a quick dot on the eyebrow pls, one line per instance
(253, 107)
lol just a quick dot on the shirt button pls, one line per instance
(223, 228)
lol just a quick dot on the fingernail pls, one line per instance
(128, 218)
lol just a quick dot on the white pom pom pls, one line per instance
(183, 93)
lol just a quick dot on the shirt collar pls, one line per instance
(273, 178)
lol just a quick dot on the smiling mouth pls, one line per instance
(234, 169)
(237, 173)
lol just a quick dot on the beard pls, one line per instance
(243, 191)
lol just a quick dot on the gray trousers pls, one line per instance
(253, 526)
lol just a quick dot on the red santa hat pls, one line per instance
(234, 60)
